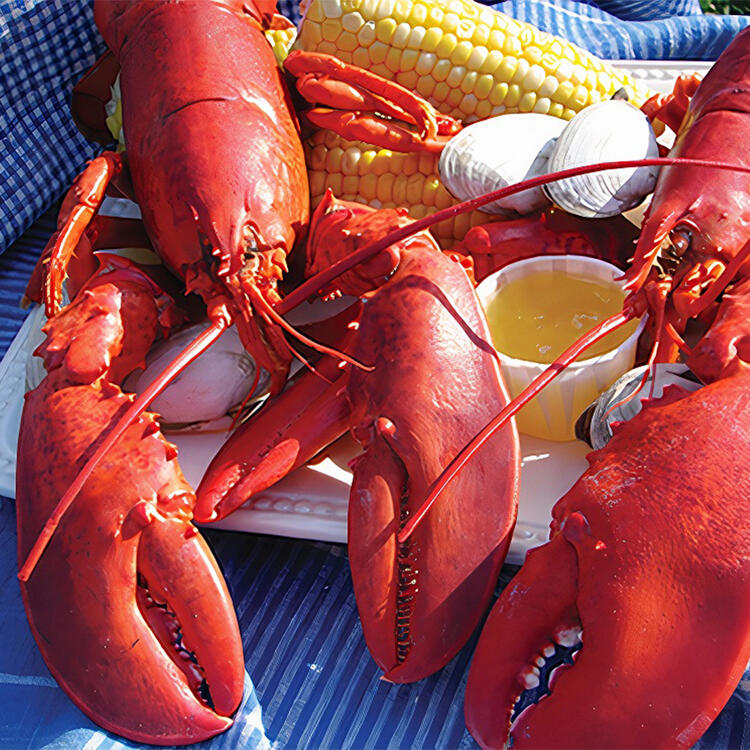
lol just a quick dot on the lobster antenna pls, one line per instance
(275, 316)
(320, 280)
(219, 325)
(531, 390)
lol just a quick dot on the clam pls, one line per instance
(607, 131)
(619, 404)
(497, 152)
(209, 387)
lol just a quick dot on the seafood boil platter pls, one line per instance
(385, 413)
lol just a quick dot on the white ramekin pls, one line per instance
(552, 414)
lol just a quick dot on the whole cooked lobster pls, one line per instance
(123, 596)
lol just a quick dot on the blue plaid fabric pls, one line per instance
(645, 30)
(313, 683)
(45, 47)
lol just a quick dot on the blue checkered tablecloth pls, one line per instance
(313, 683)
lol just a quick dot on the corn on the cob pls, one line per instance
(381, 178)
(281, 38)
(466, 59)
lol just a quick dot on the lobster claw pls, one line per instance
(126, 603)
(651, 562)
(129, 610)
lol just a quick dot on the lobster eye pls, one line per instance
(680, 238)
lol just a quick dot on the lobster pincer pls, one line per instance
(651, 562)
(127, 604)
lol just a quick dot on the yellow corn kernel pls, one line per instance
(461, 38)
(462, 52)
(378, 52)
(418, 14)
(385, 187)
(446, 45)
(528, 100)
(432, 38)
(425, 86)
(441, 69)
(349, 185)
(384, 179)
(401, 36)
(440, 94)
(352, 22)
(469, 104)
(408, 80)
(330, 30)
(476, 59)
(481, 35)
(484, 109)
(317, 182)
(368, 187)
(468, 82)
(347, 42)
(366, 34)
(361, 57)
(456, 76)
(425, 63)
(281, 41)
(483, 87)
(385, 30)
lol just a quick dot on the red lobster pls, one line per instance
(647, 560)
(201, 122)
(648, 580)
(127, 606)
(420, 327)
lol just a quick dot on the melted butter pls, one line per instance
(537, 317)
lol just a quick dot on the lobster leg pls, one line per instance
(493, 245)
(361, 105)
(78, 209)
(289, 431)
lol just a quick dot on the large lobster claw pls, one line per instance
(649, 556)
(126, 603)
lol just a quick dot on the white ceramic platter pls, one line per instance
(311, 503)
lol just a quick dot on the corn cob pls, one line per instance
(281, 38)
(381, 178)
(466, 59)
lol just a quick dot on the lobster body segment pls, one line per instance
(214, 152)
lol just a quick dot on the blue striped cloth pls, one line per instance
(643, 30)
(313, 682)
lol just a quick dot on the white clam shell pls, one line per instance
(608, 131)
(616, 405)
(497, 152)
(208, 387)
